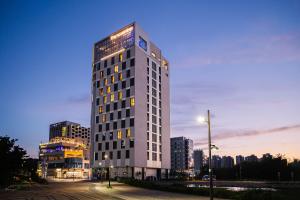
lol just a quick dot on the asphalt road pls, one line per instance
(91, 191)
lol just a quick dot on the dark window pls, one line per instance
(154, 66)
(103, 155)
(131, 143)
(97, 137)
(115, 125)
(119, 114)
(154, 101)
(103, 137)
(154, 128)
(112, 60)
(128, 93)
(111, 116)
(98, 66)
(154, 110)
(123, 124)
(128, 73)
(123, 65)
(108, 71)
(132, 122)
(148, 61)
(115, 144)
(118, 154)
(132, 82)
(132, 62)
(122, 144)
(115, 105)
(97, 119)
(153, 75)
(98, 84)
(99, 146)
(106, 145)
(115, 86)
(127, 153)
(111, 135)
(123, 84)
(127, 112)
(128, 54)
(97, 101)
(100, 127)
(96, 156)
(154, 83)
(105, 63)
(111, 155)
(123, 103)
(107, 126)
(107, 107)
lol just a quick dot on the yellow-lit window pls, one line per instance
(120, 77)
(101, 91)
(112, 97)
(101, 74)
(108, 89)
(100, 109)
(104, 118)
(105, 81)
(132, 101)
(121, 57)
(128, 133)
(112, 79)
(119, 134)
(104, 99)
(120, 95)
(116, 68)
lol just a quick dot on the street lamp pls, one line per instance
(202, 119)
(108, 171)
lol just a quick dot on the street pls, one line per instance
(91, 191)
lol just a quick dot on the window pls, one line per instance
(119, 136)
(132, 101)
(120, 57)
(108, 71)
(105, 81)
(100, 109)
(123, 65)
(97, 119)
(154, 119)
(108, 89)
(120, 76)
(132, 82)
(103, 137)
(123, 103)
(123, 124)
(120, 95)
(111, 155)
(122, 144)
(123, 84)
(107, 107)
(127, 112)
(96, 156)
(118, 154)
(98, 66)
(128, 73)
(105, 63)
(107, 126)
(153, 83)
(97, 101)
(104, 118)
(115, 144)
(131, 143)
(154, 147)
(128, 93)
(154, 128)
(132, 62)
(99, 146)
(106, 145)
(119, 114)
(132, 122)
(112, 79)
(128, 54)
(154, 156)
(101, 91)
(153, 75)
(103, 155)
(116, 69)
(112, 60)
(115, 125)
(100, 127)
(148, 61)
(147, 155)
(112, 97)
(98, 84)
(115, 105)
(115, 86)
(128, 132)
(97, 137)
(153, 66)
(101, 74)
(127, 153)
(111, 135)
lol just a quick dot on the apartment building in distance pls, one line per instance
(130, 115)
(198, 161)
(182, 155)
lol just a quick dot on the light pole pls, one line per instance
(203, 120)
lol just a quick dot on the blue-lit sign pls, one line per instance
(142, 43)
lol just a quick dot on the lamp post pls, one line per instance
(203, 120)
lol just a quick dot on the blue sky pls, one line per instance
(241, 59)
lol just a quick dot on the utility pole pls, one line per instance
(211, 192)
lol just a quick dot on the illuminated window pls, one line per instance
(120, 95)
(120, 77)
(112, 79)
(104, 99)
(128, 133)
(132, 101)
(101, 74)
(119, 134)
(101, 91)
(120, 57)
(108, 89)
(100, 109)
(105, 81)
(116, 68)
(112, 97)
(104, 118)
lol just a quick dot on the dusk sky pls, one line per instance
(240, 59)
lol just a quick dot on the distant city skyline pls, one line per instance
(244, 69)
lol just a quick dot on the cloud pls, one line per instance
(246, 133)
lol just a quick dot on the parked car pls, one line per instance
(206, 178)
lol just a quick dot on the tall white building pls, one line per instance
(130, 118)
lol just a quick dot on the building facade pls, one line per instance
(239, 159)
(227, 162)
(216, 162)
(182, 155)
(198, 161)
(130, 115)
(70, 130)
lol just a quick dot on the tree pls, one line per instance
(11, 157)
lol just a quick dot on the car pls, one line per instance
(206, 178)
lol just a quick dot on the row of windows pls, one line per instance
(154, 156)
(115, 87)
(107, 145)
(116, 68)
(115, 105)
(112, 116)
(111, 155)
(115, 125)
(112, 79)
(110, 135)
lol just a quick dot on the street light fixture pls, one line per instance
(108, 171)
(202, 120)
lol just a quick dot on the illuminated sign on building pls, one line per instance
(142, 43)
